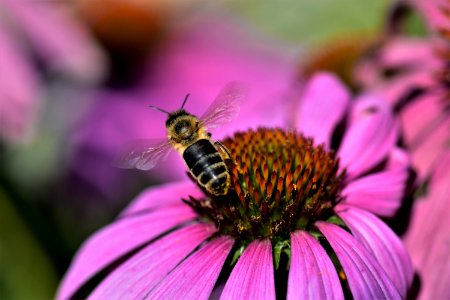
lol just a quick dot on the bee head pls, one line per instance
(182, 126)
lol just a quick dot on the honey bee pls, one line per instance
(188, 135)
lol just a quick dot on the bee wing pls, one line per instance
(143, 154)
(226, 106)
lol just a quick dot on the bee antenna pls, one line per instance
(184, 102)
(159, 109)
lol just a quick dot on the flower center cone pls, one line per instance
(280, 182)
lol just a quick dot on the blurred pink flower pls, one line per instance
(198, 56)
(419, 89)
(36, 29)
(57, 37)
(419, 86)
(162, 248)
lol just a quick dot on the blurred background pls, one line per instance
(75, 84)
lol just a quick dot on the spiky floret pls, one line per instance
(281, 182)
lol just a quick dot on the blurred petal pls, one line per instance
(407, 51)
(163, 195)
(323, 105)
(252, 277)
(370, 137)
(142, 272)
(418, 116)
(427, 154)
(428, 236)
(312, 274)
(58, 37)
(116, 240)
(19, 91)
(197, 275)
(398, 159)
(379, 239)
(399, 87)
(380, 193)
(366, 278)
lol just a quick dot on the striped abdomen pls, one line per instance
(207, 166)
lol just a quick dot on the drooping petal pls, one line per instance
(380, 240)
(142, 272)
(163, 195)
(370, 137)
(323, 105)
(117, 239)
(380, 193)
(428, 236)
(366, 278)
(418, 116)
(253, 276)
(58, 37)
(312, 275)
(19, 90)
(196, 276)
(426, 155)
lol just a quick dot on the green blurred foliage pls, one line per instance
(26, 271)
(310, 21)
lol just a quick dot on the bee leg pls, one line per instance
(224, 150)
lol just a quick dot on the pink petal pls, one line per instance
(427, 154)
(411, 52)
(380, 240)
(142, 272)
(196, 276)
(395, 89)
(419, 116)
(428, 236)
(117, 239)
(398, 159)
(252, 277)
(59, 38)
(380, 193)
(370, 137)
(366, 278)
(323, 105)
(312, 274)
(19, 90)
(163, 195)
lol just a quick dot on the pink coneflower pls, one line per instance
(419, 87)
(413, 74)
(300, 221)
(56, 36)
